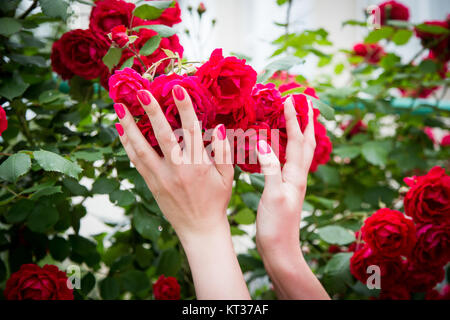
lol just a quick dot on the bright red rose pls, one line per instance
(32, 282)
(393, 10)
(3, 121)
(107, 14)
(81, 53)
(372, 53)
(123, 87)
(421, 278)
(445, 141)
(161, 89)
(230, 82)
(395, 293)
(323, 144)
(392, 270)
(119, 36)
(428, 199)
(389, 233)
(358, 127)
(437, 43)
(433, 245)
(169, 17)
(166, 288)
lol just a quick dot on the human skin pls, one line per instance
(279, 211)
(193, 196)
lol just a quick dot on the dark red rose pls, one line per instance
(169, 17)
(420, 278)
(428, 199)
(123, 88)
(395, 293)
(389, 233)
(445, 141)
(57, 65)
(161, 89)
(323, 144)
(437, 43)
(81, 52)
(3, 121)
(32, 282)
(230, 82)
(166, 288)
(393, 10)
(372, 53)
(433, 245)
(392, 270)
(358, 127)
(119, 36)
(422, 93)
(107, 14)
(334, 249)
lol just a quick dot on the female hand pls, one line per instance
(191, 190)
(279, 210)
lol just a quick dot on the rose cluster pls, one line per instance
(411, 253)
(224, 91)
(80, 52)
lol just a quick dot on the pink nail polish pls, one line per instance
(144, 97)
(119, 110)
(221, 132)
(179, 93)
(263, 147)
(119, 129)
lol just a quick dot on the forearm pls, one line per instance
(214, 266)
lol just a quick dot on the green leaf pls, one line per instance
(105, 185)
(19, 211)
(88, 155)
(135, 281)
(284, 63)
(122, 198)
(325, 110)
(378, 34)
(13, 88)
(15, 166)
(75, 187)
(428, 66)
(251, 200)
(375, 152)
(329, 175)
(347, 151)
(429, 28)
(150, 46)
(339, 68)
(9, 26)
(257, 181)
(245, 216)
(59, 248)
(146, 225)
(109, 288)
(235, 231)
(87, 283)
(162, 30)
(42, 218)
(84, 250)
(336, 235)
(402, 37)
(54, 8)
(169, 263)
(2, 271)
(112, 57)
(143, 256)
(151, 10)
(50, 161)
(337, 274)
(128, 63)
(46, 192)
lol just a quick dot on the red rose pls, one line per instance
(389, 233)
(445, 141)
(428, 199)
(161, 89)
(107, 14)
(32, 282)
(334, 249)
(57, 65)
(119, 36)
(422, 93)
(433, 245)
(421, 279)
(372, 53)
(393, 10)
(392, 270)
(169, 17)
(166, 288)
(437, 43)
(81, 52)
(3, 121)
(358, 127)
(230, 82)
(323, 144)
(123, 87)
(201, 9)
(395, 293)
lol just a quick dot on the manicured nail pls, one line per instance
(263, 147)
(221, 132)
(144, 97)
(179, 93)
(119, 110)
(119, 129)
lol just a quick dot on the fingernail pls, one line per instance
(119, 129)
(144, 97)
(263, 147)
(179, 93)
(221, 132)
(119, 110)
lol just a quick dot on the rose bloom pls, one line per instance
(358, 127)
(421, 278)
(392, 269)
(79, 52)
(389, 233)
(445, 141)
(393, 10)
(395, 293)
(119, 36)
(123, 87)
(166, 288)
(3, 121)
(107, 14)
(437, 43)
(161, 89)
(433, 245)
(372, 53)
(323, 144)
(32, 282)
(422, 93)
(230, 82)
(169, 17)
(428, 199)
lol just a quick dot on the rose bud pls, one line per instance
(201, 8)
(119, 36)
